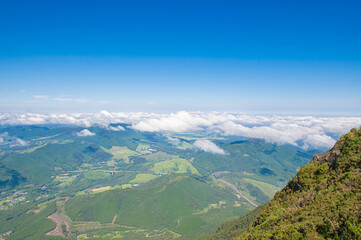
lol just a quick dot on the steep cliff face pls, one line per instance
(323, 201)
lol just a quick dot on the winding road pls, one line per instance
(236, 189)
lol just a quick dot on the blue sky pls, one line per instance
(160, 56)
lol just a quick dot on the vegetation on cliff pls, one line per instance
(233, 228)
(323, 201)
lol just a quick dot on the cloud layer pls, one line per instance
(208, 146)
(302, 131)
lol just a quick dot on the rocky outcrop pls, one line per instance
(329, 157)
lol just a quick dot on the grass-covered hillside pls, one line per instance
(323, 201)
(233, 228)
(189, 206)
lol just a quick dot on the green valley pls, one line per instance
(133, 185)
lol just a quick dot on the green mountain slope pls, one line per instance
(184, 204)
(23, 223)
(257, 168)
(323, 201)
(233, 228)
(38, 166)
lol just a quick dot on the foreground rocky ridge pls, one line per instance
(323, 201)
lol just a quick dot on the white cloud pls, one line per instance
(6, 140)
(174, 122)
(40, 96)
(173, 140)
(117, 128)
(302, 131)
(85, 133)
(78, 100)
(208, 146)
(63, 99)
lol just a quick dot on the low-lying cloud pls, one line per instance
(208, 146)
(302, 131)
(85, 133)
(10, 141)
(174, 140)
(115, 128)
